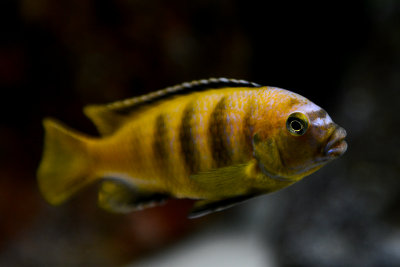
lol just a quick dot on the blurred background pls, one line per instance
(57, 56)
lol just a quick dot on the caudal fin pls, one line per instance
(66, 166)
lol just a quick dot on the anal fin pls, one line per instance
(120, 197)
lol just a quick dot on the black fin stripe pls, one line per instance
(187, 141)
(125, 106)
(217, 138)
(218, 205)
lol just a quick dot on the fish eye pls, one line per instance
(297, 124)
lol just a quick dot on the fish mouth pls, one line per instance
(336, 145)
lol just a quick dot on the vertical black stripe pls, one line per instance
(217, 138)
(187, 141)
(160, 142)
(247, 129)
(137, 150)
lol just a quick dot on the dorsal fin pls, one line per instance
(105, 120)
(127, 105)
(109, 117)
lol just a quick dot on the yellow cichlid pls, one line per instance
(218, 141)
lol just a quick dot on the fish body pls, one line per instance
(218, 146)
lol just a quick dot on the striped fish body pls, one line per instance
(161, 147)
(219, 146)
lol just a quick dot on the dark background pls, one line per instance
(57, 56)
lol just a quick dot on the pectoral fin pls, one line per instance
(204, 207)
(226, 181)
(120, 197)
(229, 185)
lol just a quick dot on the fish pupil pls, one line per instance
(296, 125)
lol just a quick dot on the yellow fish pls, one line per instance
(219, 141)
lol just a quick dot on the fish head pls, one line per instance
(299, 138)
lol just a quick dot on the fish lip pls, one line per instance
(336, 145)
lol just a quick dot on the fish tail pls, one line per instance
(66, 165)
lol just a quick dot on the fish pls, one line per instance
(216, 141)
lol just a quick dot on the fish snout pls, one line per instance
(336, 145)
